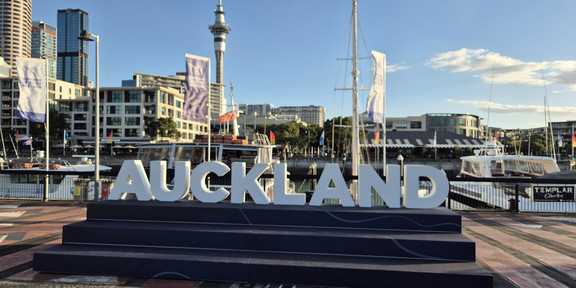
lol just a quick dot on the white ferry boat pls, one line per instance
(25, 179)
(491, 163)
(227, 148)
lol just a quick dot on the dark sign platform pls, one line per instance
(301, 245)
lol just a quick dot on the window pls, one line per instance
(114, 109)
(132, 109)
(402, 124)
(81, 107)
(80, 117)
(117, 121)
(132, 121)
(461, 121)
(133, 97)
(132, 132)
(115, 97)
(65, 107)
(415, 125)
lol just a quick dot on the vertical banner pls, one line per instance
(377, 97)
(33, 89)
(321, 141)
(272, 138)
(197, 88)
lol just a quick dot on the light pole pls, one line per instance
(87, 36)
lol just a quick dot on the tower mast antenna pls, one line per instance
(220, 30)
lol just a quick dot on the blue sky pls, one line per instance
(443, 56)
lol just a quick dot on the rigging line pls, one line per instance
(547, 118)
(490, 104)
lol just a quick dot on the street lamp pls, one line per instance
(87, 36)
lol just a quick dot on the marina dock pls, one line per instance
(519, 250)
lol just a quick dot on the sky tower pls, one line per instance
(219, 30)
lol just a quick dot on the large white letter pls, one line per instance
(435, 197)
(198, 182)
(242, 182)
(158, 180)
(131, 179)
(281, 197)
(331, 174)
(390, 191)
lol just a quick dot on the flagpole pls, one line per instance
(572, 144)
(47, 177)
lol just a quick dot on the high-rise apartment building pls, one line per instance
(15, 26)
(44, 45)
(72, 52)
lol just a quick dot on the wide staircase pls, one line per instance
(299, 245)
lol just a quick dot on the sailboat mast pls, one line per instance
(355, 134)
(234, 122)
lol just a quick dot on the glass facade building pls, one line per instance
(44, 45)
(72, 52)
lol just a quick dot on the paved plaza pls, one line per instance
(520, 250)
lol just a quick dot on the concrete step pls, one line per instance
(376, 218)
(259, 267)
(304, 240)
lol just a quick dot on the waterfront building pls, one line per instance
(149, 80)
(44, 45)
(260, 109)
(57, 91)
(217, 101)
(247, 123)
(312, 115)
(126, 111)
(15, 26)
(72, 52)
(461, 124)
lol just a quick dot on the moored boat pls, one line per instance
(499, 170)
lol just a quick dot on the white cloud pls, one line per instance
(394, 68)
(496, 68)
(515, 109)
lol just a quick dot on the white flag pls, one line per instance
(33, 89)
(377, 97)
(197, 88)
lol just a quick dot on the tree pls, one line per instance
(163, 128)
(58, 124)
(342, 133)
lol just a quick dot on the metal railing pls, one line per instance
(515, 195)
(30, 185)
(502, 194)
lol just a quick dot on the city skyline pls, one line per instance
(443, 57)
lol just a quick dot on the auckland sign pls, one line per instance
(394, 192)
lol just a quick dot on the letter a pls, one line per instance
(331, 173)
(131, 179)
